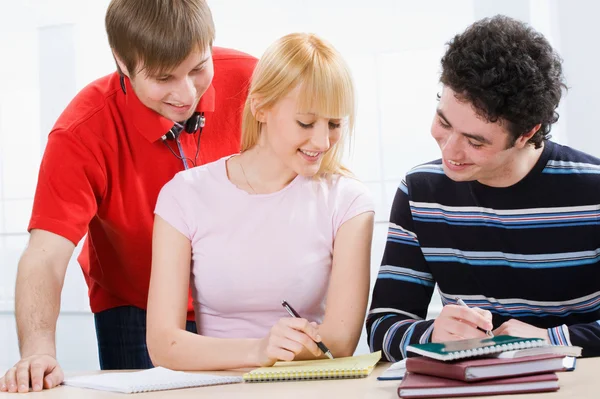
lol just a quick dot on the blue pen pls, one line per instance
(293, 313)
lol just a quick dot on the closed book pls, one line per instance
(565, 350)
(426, 386)
(487, 368)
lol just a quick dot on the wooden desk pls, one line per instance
(582, 383)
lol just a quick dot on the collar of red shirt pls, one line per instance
(151, 124)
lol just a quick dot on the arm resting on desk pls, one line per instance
(40, 278)
(585, 335)
(171, 346)
(403, 288)
(348, 291)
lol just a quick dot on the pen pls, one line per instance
(293, 313)
(462, 303)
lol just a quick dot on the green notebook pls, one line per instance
(452, 350)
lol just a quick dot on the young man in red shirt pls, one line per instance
(174, 103)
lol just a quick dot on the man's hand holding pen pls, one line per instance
(461, 322)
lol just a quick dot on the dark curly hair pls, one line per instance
(509, 73)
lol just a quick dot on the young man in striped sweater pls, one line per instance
(507, 220)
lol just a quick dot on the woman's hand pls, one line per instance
(286, 339)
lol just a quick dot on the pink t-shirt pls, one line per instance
(250, 252)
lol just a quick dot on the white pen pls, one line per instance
(460, 302)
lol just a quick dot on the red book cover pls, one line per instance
(486, 368)
(426, 386)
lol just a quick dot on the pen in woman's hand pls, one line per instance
(295, 314)
(460, 302)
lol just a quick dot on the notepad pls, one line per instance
(344, 367)
(156, 379)
(395, 372)
(460, 349)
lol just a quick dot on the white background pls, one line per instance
(51, 49)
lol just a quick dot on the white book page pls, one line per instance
(155, 379)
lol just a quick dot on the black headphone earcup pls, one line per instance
(174, 133)
(194, 123)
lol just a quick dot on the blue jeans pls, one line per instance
(121, 334)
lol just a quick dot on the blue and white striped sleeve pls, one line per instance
(403, 288)
(586, 335)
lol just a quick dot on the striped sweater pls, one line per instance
(529, 252)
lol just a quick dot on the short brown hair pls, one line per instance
(157, 35)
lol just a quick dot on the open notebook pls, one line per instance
(156, 379)
(344, 367)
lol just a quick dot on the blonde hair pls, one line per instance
(158, 34)
(326, 89)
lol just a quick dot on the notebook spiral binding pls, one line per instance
(308, 375)
(177, 385)
(487, 350)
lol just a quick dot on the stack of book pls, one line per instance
(487, 366)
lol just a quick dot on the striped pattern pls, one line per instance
(407, 336)
(529, 252)
(405, 274)
(567, 167)
(374, 326)
(520, 307)
(426, 336)
(392, 310)
(427, 168)
(387, 339)
(398, 234)
(538, 261)
(559, 335)
(506, 219)
(403, 187)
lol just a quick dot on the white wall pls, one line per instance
(579, 43)
(392, 46)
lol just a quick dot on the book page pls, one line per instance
(395, 372)
(547, 349)
(154, 379)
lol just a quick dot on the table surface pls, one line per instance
(582, 383)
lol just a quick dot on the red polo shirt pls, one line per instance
(105, 164)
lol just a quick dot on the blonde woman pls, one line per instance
(281, 220)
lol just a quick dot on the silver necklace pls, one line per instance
(245, 177)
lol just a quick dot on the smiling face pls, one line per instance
(298, 139)
(472, 148)
(175, 94)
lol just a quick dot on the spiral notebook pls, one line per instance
(343, 367)
(461, 349)
(156, 379)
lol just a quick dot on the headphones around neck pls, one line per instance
(194, 124)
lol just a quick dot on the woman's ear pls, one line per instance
(257, 112)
